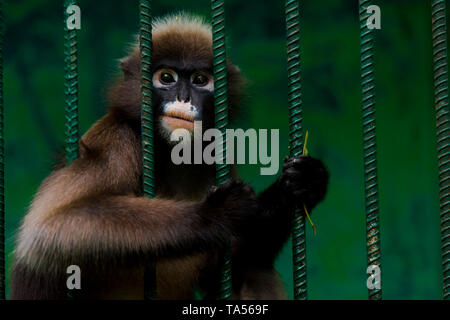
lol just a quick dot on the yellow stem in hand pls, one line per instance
(305, 153)
(310, 221)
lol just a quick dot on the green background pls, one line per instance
(408, 188)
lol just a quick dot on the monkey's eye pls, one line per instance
(200, 79)
(167, 78)
(164, 77)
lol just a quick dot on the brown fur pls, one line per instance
(92, 213)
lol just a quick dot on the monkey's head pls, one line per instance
(183, 82)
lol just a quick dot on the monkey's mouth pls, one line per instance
(178, 119)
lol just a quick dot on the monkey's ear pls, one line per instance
(130, 65)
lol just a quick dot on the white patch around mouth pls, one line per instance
(182, 110)
(173, 110)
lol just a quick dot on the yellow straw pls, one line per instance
(310, 221)
(305, 153)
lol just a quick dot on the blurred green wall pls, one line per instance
(34, 119)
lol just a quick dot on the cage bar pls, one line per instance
(71, 87)
(145, 42)
(440, 73)
(221, 120)
(71, 94)
(292, 8)
(369, 144)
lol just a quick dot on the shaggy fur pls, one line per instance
(93, 214)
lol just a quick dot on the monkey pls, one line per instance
(93, 212)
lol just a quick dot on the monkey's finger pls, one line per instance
(295, 161)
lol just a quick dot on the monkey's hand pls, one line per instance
(304, 181)
(232, 205)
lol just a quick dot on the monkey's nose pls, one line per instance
(185, 99)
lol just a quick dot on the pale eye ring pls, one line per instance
(164, 77)
(202, 80)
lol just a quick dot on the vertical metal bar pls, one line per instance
(71, 94)
(369, 143)
(145, 42)
(71, 87)
(296, 140)
(221, 119)
(2, 169)
(440, 71)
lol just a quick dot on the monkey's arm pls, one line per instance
(108, 229)
(303, 181)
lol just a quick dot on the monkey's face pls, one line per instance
(183, 86)
(183, 93)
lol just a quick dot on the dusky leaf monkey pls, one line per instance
(93, 213)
